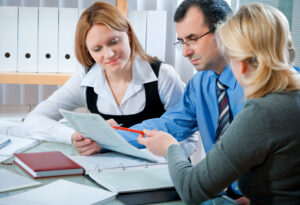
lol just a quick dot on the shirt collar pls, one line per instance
(141, 73)
(95, 78)
(227, 78)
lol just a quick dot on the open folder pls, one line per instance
(134, 178)
(95, 127)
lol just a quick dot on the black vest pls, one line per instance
(154, 107)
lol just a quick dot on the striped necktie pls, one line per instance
(224, 110)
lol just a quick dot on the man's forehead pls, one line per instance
(192, 23)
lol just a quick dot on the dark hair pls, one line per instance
(213, 11)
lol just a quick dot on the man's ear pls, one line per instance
(243, 67)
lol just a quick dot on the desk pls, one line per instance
(69, 150)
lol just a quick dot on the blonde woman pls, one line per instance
(118, 80)
(261, 146)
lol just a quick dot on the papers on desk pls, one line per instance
(111, 160)
(11, 181)
(11, 128)
(134, 178)
(122, 173)
(18, 144)
(95, 127)
(60, 192)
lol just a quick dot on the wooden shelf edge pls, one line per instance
(122, 5)
(34, 78)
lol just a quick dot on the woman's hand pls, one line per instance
(157, 142)
(84, 146)
(112, 122)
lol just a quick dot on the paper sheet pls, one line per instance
(18, 144)
(11, 181)
(95, 127)
(60, 192)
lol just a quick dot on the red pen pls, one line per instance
(129, 130)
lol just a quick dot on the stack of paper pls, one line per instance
(61, 192)
(11, 181)
(18, 144)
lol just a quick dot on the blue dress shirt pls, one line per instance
(197, 110)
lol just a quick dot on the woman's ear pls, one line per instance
(243, 67)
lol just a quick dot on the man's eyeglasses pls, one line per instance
(192, 41)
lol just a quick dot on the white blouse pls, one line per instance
(42, 122)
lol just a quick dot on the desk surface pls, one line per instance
(69, 150)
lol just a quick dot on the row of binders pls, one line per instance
(36, 39)
(42, 39)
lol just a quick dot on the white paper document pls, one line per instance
(11, 181)
(95, 127)
(61, 192)
(17, 144)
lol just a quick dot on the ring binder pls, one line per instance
(137, 178)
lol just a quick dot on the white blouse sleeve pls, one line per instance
(170, 86)
(42, 122)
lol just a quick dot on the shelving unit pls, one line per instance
(45, 78)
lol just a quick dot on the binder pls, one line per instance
(138, 20)
(128, 179)
(68, 18)
(47, 39)
(27, 39)
(156, 34)
(8, 38)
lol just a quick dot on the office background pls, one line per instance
(25, 97)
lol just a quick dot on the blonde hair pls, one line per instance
(259, 35)
(108, 15)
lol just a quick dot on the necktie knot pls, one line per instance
(220, 87)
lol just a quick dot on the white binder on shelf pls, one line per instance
(156, 34)
(27, 39)
(47, 40)
(8, 38)
(138, 20)
(67, 61)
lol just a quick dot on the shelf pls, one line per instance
(46, 78)
(122, 5)
(34, 78)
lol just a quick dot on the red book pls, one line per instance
(47, 164)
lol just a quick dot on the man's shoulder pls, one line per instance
(201, 77)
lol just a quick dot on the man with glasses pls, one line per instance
(213, 97)
(199, 108)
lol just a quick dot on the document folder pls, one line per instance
(156, 41)
(8, 38)
(27, 39)
(47, 40)
(138, 20)
(68, 18)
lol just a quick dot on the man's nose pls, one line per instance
(186, 50)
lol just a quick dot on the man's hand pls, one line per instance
(84, 146)
(157, 142)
